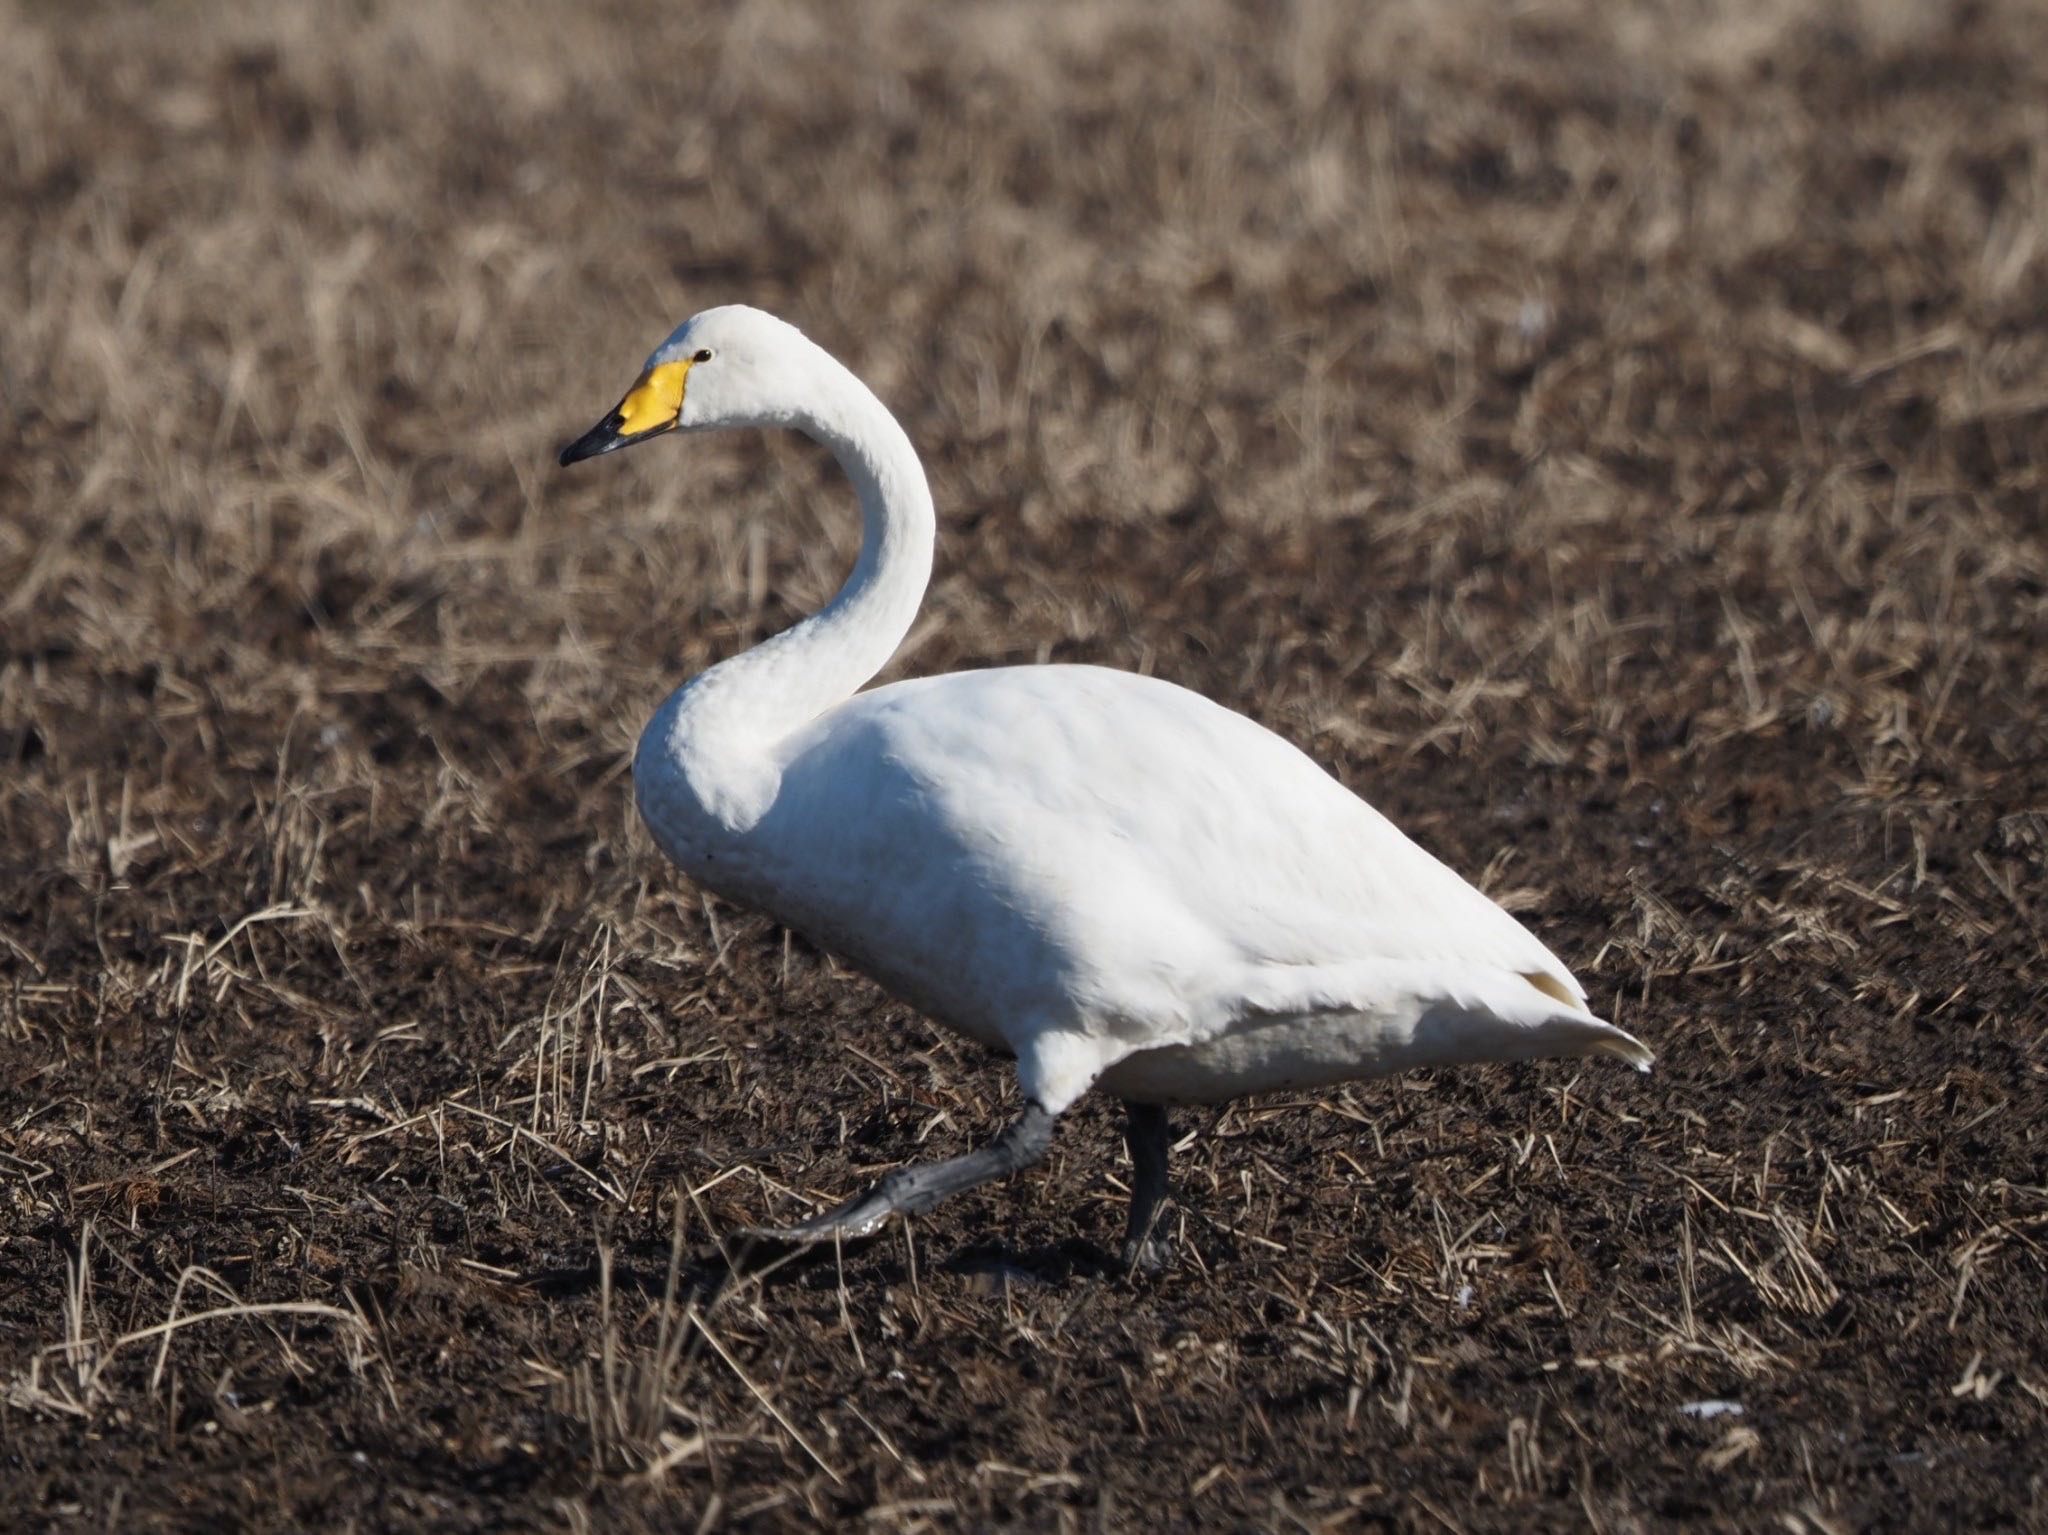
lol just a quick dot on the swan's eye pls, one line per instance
(703, 355)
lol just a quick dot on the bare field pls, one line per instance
(1612, 439)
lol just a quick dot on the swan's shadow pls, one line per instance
(708, 1273)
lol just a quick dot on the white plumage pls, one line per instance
(1112, 878)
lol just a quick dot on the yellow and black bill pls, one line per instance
(650, 408)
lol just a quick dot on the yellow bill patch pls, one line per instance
(655, 401)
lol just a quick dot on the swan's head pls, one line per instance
(731, 366)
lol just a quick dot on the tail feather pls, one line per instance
(1472, 1013)
(1599, 1037)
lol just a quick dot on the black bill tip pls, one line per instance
(601, 438)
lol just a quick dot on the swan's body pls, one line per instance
(1110, 877)
(1113, 878)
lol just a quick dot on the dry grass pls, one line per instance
(1615, 440)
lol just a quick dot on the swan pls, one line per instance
(1110, 878)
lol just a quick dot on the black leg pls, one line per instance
(913, 1190)
(1147, 1134)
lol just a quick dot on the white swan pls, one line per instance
(1109, 877)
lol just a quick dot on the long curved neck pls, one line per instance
(789, 680)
